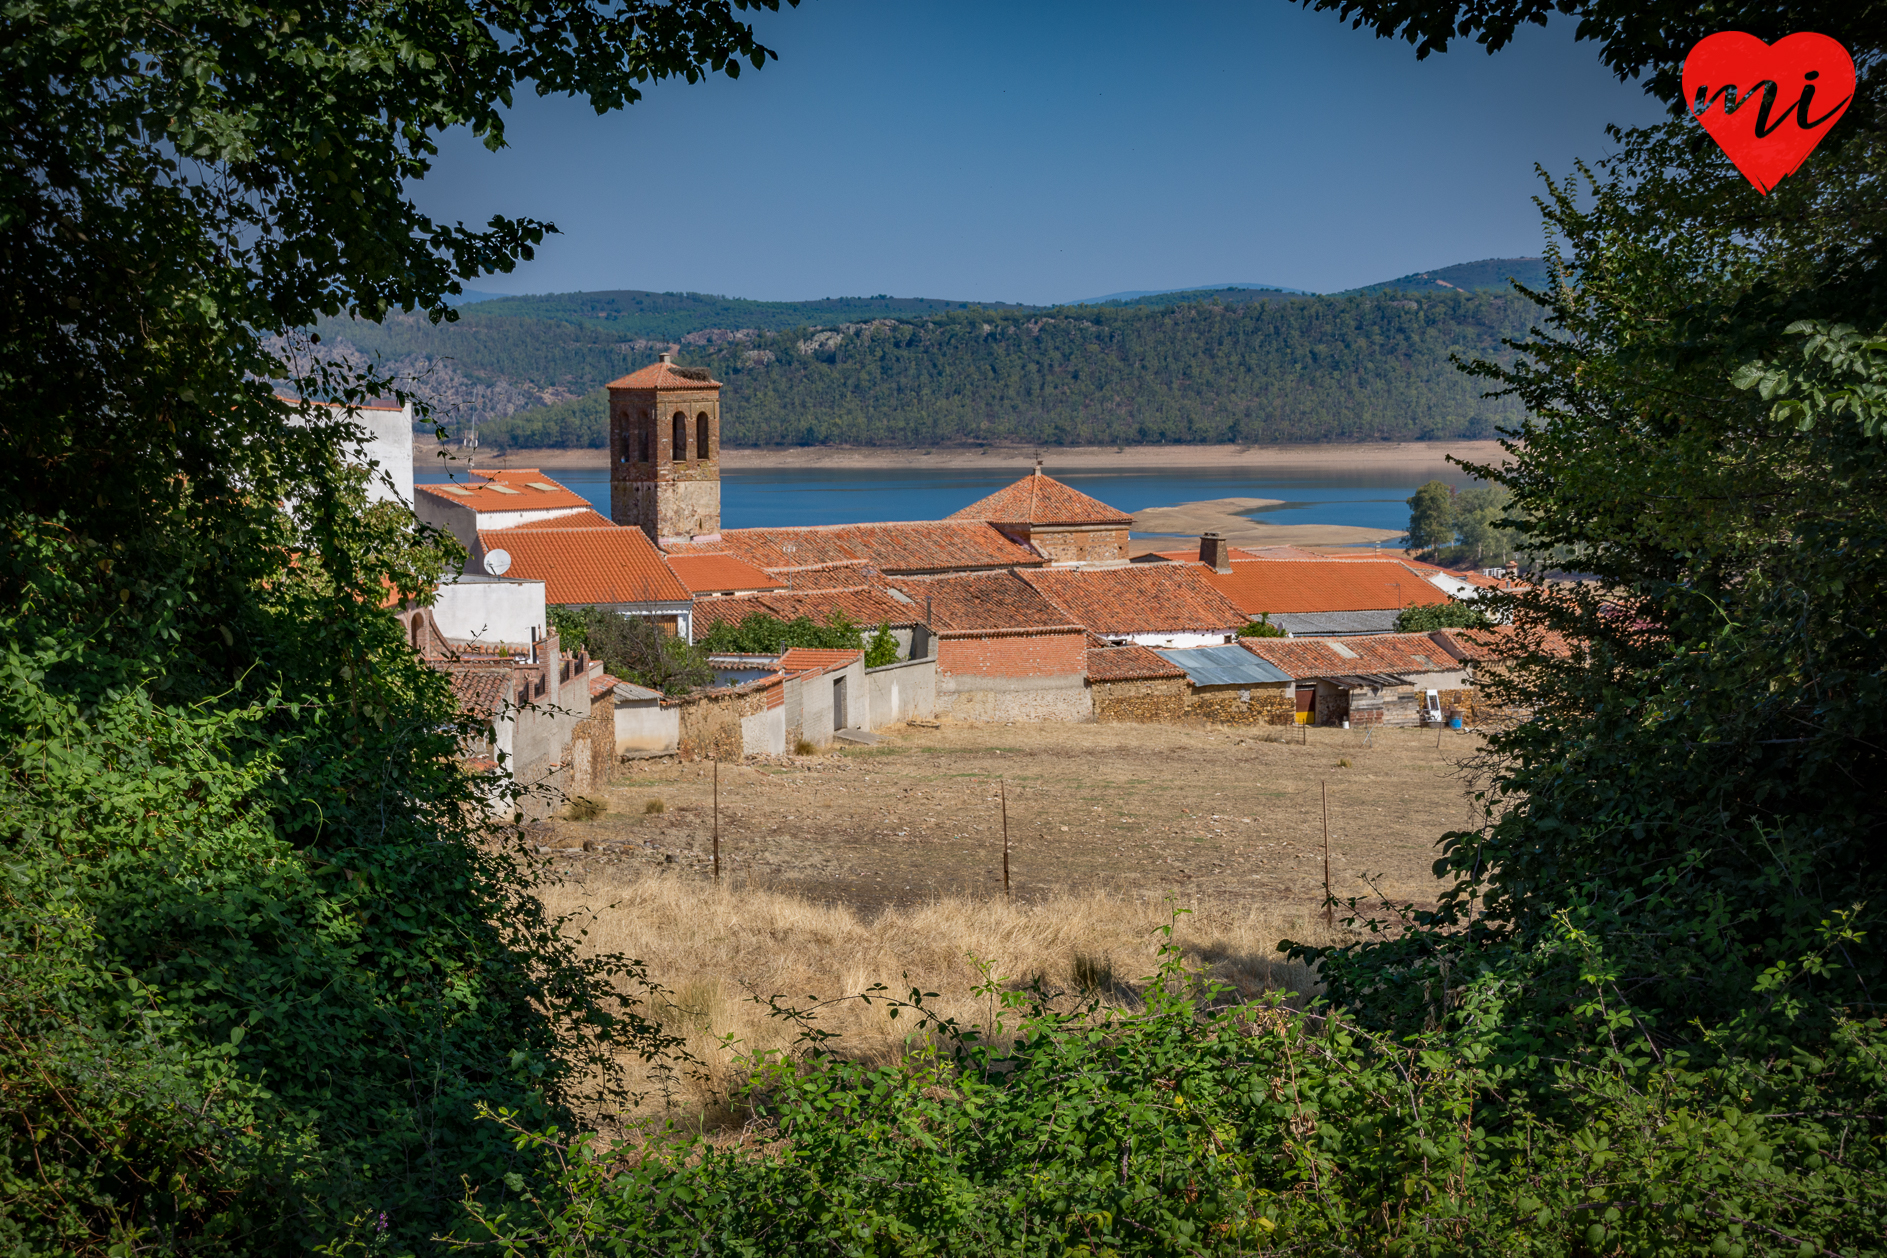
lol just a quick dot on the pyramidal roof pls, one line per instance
(666, 375)
(1041, 500)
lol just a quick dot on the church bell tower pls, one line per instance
(665, 452)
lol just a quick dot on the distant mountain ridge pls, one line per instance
(1487, 275)
(1194, 288)
(1245, 364)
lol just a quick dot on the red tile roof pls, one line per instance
(602, 684)
(711, 573)
(665, 376)
(1290, 587)
(1242, 553)
(982, 600)
(1128, 663)
(1042, 500)
(481, 689)
(806, 658)
(589, 565)
(827, 576)
(915, 546)
(1139, 598)
(512, 489)
(1403, 653)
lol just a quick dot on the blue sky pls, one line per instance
(1044, 152)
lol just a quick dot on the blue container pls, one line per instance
(1455, 724)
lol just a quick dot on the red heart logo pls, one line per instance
(1768, 105)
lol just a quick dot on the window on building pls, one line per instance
(701, 435)
(645, 434)
(680, 444)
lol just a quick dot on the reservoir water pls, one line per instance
(761, 498)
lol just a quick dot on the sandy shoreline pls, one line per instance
(1415, 456)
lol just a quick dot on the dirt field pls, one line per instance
(1135, 812)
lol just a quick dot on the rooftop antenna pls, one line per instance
(497, 563)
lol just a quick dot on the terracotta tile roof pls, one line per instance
(481, 689)
(1128, 663)
(912, 546)
(708, 573)
(575, 520)
(602, 684)
(1141, 598)
(512, 489)
(1326, 585)
(665, 376)
(865, 605)
(1398, 653)
(1242, 553)
(981, 600)
(827, 576)
(1042, 500)
(805, 659)
(589, 565)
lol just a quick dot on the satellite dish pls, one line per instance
(498, 562)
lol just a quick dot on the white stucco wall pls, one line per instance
(390, 446)
(901, 691)
(1179, 640)
(643, 725)
(490, 610)
(763, 733)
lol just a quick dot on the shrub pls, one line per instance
(652, 807)
(882, 649)
(761, 634)
(1453, 614)
(1261, 628)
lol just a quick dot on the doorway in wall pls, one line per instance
(838, 704)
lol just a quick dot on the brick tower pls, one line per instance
(665, 452)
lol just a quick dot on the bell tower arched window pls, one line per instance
(645, 432)
(701, 435)
(680, 443)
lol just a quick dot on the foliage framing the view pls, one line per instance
(265, 953)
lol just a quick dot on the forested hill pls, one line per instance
(1318, 369)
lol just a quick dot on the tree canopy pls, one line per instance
(265, 954)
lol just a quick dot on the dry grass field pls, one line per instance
(884, 865)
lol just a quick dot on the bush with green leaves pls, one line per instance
(758, 633)
(1202, 1124)
(1452, 614)
(882, 648)
(1262, 628)
(636, 649)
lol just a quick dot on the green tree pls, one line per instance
(1424, 617)
(1482, 540)
(1432, 517)
(266, 954)
(635, 649)
(758, 633)
(882, 649)
(1688, 829)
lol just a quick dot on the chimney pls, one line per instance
(666, 356)
(1216, 551)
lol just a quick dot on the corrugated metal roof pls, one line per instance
(1326, 624)
(1229, 665)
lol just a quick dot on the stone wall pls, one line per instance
(1242, 705)
(1013, 675)
(711, 721)
(593, 747)
(1081, 543)
(1160, 700)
